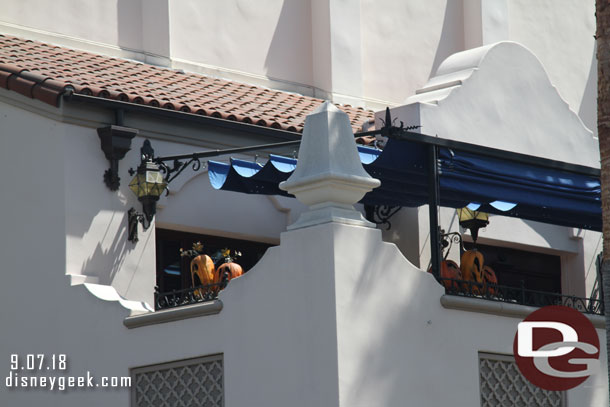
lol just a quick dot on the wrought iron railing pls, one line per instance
(520, 295)
(188, 296)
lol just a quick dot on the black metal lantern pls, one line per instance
(473, 220)
(148, 184)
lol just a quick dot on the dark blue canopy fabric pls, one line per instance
(498, 186)
(251, 177)
(541, 194)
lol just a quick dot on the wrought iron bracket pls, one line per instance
(171, 172)
(133, 218)
(115, 143)
(448, 240)
(173, 166)
(381, 214)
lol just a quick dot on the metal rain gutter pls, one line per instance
(278, 134)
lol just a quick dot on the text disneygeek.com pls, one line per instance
(23, 374)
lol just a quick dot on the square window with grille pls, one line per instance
(185, 383)
(502, 385)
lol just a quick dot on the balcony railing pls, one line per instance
(463, 288)
(520, 295)
(188, 296)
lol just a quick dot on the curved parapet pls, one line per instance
(500, 96)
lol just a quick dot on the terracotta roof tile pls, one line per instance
(45, 71)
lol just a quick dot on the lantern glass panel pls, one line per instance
(466, 214)
(135, 185)
(154, 183)
(149, 183)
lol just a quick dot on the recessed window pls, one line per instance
(173, 270)
(520, 268)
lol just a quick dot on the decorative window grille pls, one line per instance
(186, 383)
(502, 385)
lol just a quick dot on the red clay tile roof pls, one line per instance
(44, 71)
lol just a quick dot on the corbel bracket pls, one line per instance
(116, 142)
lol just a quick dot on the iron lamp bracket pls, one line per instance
(133, 218)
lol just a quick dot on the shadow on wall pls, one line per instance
(105, 264)
(380, 348)
(452, 34)
(403, 232)
(290, 48)
(129, 20)
(588, 104)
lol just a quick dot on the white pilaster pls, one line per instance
(485, 22)
(155, 32)
(337, 50)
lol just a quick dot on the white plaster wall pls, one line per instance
(194, 205)
(577, 249)
(135, 29)
(500, 96)
(68, 160)
(405, 233)
(321, 320)
(397, 47)
(59, 218)
(485, 22)
(89, 20)
(31, 161)
(95, 230)
(397, 343)
(96, 220)
(347, 321)
(592, 246)
(561, 34)
(270, 38)
(276, 332)
(404, 42)
(198, 207)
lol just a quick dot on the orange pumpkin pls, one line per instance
(472, 269)
(202, 272)
(229, 271)
(490, 279)
(449, 269)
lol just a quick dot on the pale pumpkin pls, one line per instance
(471, 266)
(202, 272)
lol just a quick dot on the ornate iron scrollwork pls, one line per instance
(520, 295)
(381, 214)
(188, 296)
(170, 173)
(448, 240)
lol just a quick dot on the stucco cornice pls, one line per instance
(501, 308)
(174, 314)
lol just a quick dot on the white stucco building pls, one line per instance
(337, 312)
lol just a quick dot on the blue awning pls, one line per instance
(498, 186)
